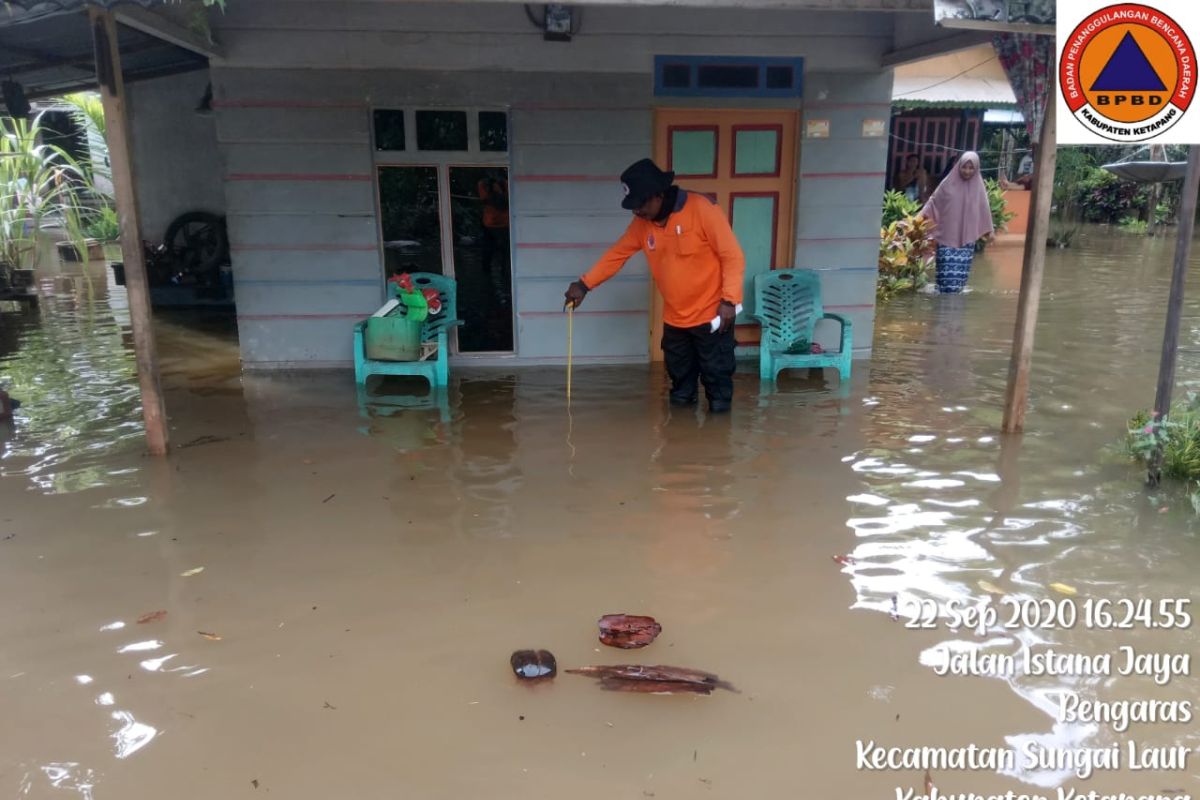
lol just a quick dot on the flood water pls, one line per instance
(366, 573)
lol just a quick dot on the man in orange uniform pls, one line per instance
(698, 267)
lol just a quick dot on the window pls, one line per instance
(493, 131)
(389, 129)
(728, 76)
(442, 130)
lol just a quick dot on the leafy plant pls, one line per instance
(896, 206)
(1133, 225)
(1163, 213)
(1062, 234)
(37, 182)
(906, 252)
(1178, 435)
(103, 224)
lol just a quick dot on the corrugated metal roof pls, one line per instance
(47, 48)
(967, 78)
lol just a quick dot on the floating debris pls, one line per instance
(654, 679)
(991, 588)
(153, 616)
(1063, 588)
(534, 665)
(628, 631)
(845, 561)
(216, 637)
(191, 572)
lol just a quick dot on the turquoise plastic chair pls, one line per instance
(787, 303)
(436, 328)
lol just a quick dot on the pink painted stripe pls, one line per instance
(284, 104)
(849, 105)
(562, 245)
(838, 239)
(313, 248)
(297, 176)
(359, 315)
(621, 313)
(842, 174)
(565, 178)
(567, 107)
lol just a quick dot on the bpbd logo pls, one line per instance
(1128, 72)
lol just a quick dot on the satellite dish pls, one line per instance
(1148, 171)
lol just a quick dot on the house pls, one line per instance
(349, 140)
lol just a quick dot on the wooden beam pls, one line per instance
(112, 95)
(937, 47)
(1170, 345)
(1016, 399)
(158, 26)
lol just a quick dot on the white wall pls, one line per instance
(299, 80)
(174, 151)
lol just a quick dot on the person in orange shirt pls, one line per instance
(698, 266)
(494, 242)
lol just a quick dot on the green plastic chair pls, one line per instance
(787, 303)
(436, 328)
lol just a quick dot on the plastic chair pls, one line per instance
(787, 303)
(436, 328)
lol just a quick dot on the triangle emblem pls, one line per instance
(1128, 70)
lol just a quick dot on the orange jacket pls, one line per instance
(494, 215)
(695, 260)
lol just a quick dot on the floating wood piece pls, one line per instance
(534, 665)
(628, 631)
(654, 678)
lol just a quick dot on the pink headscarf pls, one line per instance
(959, 208)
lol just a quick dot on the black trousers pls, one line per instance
(692, 353)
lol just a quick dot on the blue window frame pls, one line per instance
(728, 76)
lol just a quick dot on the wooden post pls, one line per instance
(112, 95)
(1031, 272)
(1183, 252)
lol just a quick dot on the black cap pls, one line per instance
(642, 181)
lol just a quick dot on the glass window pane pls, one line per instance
(441, 130)
(756, 152)
(493, 131)
(389, 129)
(694, 152)
(754, 226)
(409, 217)
(482, 258)
(727, 77)
(676, 76)
(780, 77)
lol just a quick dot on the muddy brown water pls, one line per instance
(369, 572)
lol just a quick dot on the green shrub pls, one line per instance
(906, 252)
(103, 225)
(896, 207)
(1133, 225)
(1178, 434)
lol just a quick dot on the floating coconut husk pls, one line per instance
(628, 631)
(533, 665)
(654, 679)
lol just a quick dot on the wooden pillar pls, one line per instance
(112, 95)
(1183, 252)
(1031, 272)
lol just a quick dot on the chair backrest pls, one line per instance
(789, 303)
(447, 290)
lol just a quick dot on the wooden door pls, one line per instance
(745, 162)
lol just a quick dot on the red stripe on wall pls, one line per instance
(304, 177)
(284, 104)
(838, 239)
(843, 174)
(564, 178)
(562, 245)
(621, 313)
(858, 307)
(315, 248)
(359, 315)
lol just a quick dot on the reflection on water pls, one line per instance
(367, 571)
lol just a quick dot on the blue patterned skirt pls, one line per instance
(953, 268)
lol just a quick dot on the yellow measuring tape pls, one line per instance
(570, 346)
